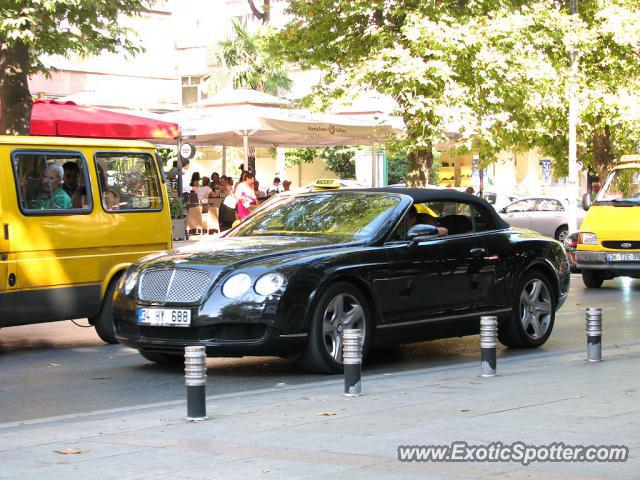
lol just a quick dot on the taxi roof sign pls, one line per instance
(630, 158)
(327, 183)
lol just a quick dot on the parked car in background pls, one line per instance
(289, 278)
(545, 215)
(570, 245)
(498, 200)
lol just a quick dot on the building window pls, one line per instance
(192, 90)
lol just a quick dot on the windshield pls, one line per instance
(342, 216)
(621, 186)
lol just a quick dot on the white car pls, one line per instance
(498, 200)
(545, 215)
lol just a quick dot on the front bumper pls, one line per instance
(254, 326)
(598, 261)
(257, 340)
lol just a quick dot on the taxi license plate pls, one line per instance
(623, 257)
(164, 317)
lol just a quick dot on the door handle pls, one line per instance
(478, 252)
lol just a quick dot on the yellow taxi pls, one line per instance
(609, 238)
(74, 214)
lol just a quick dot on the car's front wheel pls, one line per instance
(341, 306)
(533, 313)
(103, 322)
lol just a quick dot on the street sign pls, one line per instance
(187, 151)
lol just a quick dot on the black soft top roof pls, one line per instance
(422, 195)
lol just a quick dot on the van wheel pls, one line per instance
(168, 359)
(104, 320)
(592, 278)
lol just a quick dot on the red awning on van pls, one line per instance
(66, 119)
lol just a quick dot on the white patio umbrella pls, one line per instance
(253, 118)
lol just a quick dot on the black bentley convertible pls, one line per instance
(404, 265)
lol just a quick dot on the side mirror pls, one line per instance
(418, 231)
(586, 201)
(503, 210)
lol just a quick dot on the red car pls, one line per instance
(570, 244)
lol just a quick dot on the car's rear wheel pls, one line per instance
(592, 278)
(561, 233)
(533, 313)
(173, 360)
(103, 322)
(341, 306)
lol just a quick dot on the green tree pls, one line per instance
(496, 69)
(371, 44)
(397, 169)
(340, 160)
(32, 28)
(250, 64)
(516, 79)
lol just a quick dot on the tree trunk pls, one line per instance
(251, 160)
(265, 15)
(603, 157)
(420, 162)
(14, 89)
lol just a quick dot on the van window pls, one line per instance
(128, 182)
(52, 181)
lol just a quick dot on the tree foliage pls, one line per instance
(494, 70)
(30, 29)
(340, 160)
(250, 64)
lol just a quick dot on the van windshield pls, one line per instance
(621, 187)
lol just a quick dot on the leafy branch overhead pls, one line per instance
(30, 29)
(340, 160)
(495, 71)
(250, 64)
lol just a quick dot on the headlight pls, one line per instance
(587, 238)
(236, 285)
(269, 283)
(130, 283)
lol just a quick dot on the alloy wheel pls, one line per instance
(536, 308)
(562, 235)
(343, 311)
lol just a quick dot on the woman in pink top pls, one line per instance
(246, 196)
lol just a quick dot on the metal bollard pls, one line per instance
(195, 373)
(488, 336)
(352, 359)
(594, 334)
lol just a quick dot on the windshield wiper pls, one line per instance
(625, 202)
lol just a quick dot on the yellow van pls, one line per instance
(74, 214)
(609, 238)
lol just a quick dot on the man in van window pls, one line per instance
(52, 195)
(77, 193)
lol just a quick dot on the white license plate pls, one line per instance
(164, 317)
(623, 257)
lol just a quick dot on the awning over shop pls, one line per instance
(273, 126)
(240, 117)
(66, 119)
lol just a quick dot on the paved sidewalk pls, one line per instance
(313, 432)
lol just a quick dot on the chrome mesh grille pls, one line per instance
(174, 285)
